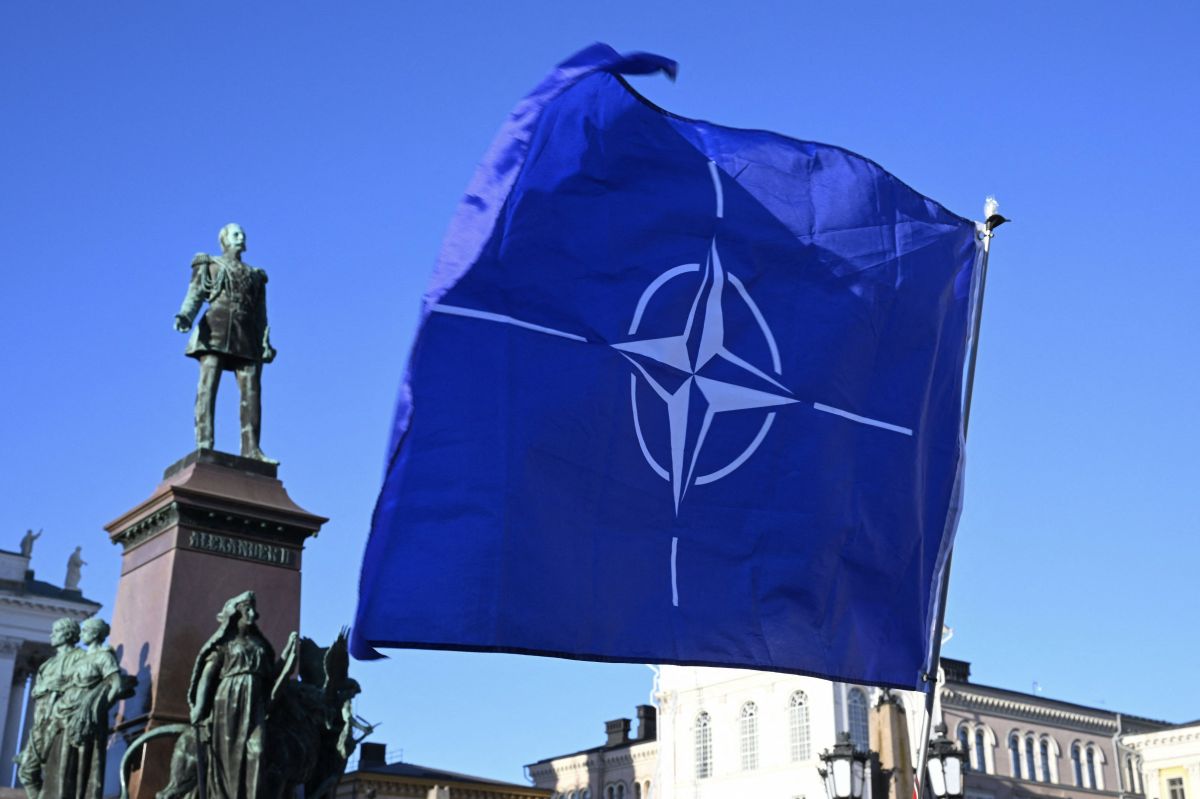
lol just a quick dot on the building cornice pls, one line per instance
(1179, 735)
(955, 696)
(74, 610)
(387, 785)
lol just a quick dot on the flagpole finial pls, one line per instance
(991, 217)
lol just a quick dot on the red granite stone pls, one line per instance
(216, 526)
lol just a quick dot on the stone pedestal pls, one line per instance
(216, 526)
(889, 738)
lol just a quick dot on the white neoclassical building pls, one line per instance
(737, 733)
(717, 733)
(28, 609)
(730, 734)
(1169, 760)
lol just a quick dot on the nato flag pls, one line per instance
(681, 394)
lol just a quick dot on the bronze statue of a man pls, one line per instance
(232, 335)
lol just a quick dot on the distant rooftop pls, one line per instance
(959, 671)
(414, 771)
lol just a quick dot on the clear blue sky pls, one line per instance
(341, 137)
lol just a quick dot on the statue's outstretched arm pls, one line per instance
(196, 294)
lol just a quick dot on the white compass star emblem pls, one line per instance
(700, 344)
(690, 356)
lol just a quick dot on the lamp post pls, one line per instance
(843, 769)
(945, 766)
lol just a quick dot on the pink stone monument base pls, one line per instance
(216, 526)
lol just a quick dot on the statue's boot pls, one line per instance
(250, 448)
(257, 454)
(249, 380)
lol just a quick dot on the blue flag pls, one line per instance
(681, 394)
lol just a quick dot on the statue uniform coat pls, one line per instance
(235, 324)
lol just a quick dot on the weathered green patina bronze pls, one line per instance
(232, 335)
(255, 732)
(74, 691)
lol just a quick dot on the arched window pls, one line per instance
(620, 790)
(1030, 765)
(964, 740)
(748, 735)
(637, 790)
(860, 734)
(1044, 750)
(980, 750)
(1132, 770)
(1014, 754)
(798, 724)
(1077, 765)
(646, 790)
(703, 746)
(1091, 767)
(610, 792)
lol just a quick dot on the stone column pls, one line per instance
(12, 729)
(11, 696)
(889, 738)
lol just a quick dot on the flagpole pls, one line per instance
(992, 220)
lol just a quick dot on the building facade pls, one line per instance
(729, 734)
(1169, 760)
(625, 767)
(1026, 745)
(719, 733)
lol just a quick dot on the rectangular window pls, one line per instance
(1175, 788)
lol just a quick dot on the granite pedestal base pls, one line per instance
(216, 526)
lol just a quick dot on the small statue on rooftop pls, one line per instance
(232, 335)
(27, 542)
(75, 564)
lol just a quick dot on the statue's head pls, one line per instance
(241, 610)
(64, 632)
(232, 237)
(94, 631)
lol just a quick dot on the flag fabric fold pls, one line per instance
(681, 393)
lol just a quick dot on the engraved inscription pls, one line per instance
(241, 548)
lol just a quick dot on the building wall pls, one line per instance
(627, 769)
(685, 692)
(1170, 754)
(969, 709)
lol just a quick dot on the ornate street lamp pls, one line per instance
(843, 770)
(945, 766)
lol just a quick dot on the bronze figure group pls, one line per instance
(73, 693)
(255, 731)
